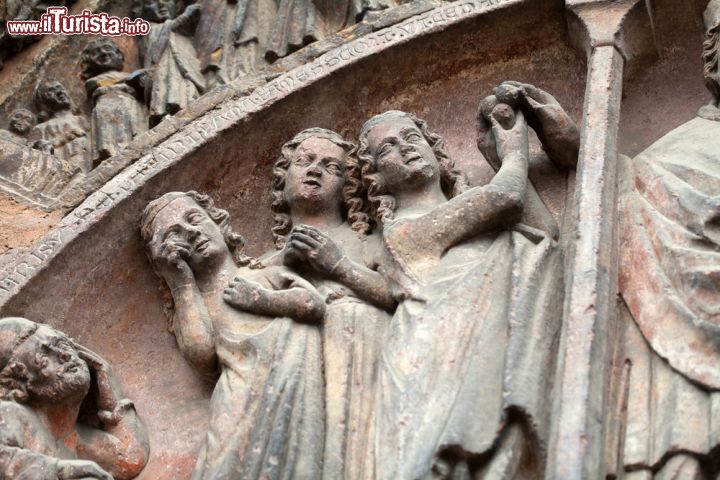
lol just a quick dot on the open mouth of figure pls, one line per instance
(412, 159)
(202, 246)
(312, 183)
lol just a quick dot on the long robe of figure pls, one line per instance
(68, 135)
(266, 412)
(300, 22)
(230, 36)
(495, 306)
(670, 278)
(117, 116)
(172, 61)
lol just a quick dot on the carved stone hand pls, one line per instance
(243, 294)
(316, 248)
(81, 469)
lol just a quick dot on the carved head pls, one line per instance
(21, 121)
(99, 56)
(317, 172)
(156, 11)
(52, 96)
(190, 225)
(711, 49)
(397, 151)
(38, 363)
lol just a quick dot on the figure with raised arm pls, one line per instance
(466, 371)
(322, 225)
(256, 326)
(169, 57)
(62, 413)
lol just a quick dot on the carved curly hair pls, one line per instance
(711, 51)
(14, 375)
(452, 180)
(234, 241)
(353, 192)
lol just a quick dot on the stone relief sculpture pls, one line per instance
(669, 281)
(300, 22)
(321, 222)
(479, 293)
(62, 414)
(20, 123)
(168, 54)
(66, 132)
(118, 115)
(232, 36)
(266, 414)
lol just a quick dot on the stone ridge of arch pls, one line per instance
(221, 116)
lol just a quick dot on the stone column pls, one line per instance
(581, 391)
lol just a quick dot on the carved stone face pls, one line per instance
(56, 97)
(21, 121)
(105, 57)
(55, 370)
(185, 225)
(159, 10)
(402, 155)
(316, 175)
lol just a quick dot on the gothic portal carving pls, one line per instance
(65, 131)
(373, 349)
(169, 56)
(118, 115)
(62, 414)
(669, 280)
(20, 123)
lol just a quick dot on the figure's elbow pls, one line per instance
(132, 462)
(200, 354)
(510, 205)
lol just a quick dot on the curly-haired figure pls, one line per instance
(322, 224)
(51, 426)
(461, 389)
(118, 114)
(66, 132)
(266, 411)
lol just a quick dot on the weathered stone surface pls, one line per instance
(63, 413)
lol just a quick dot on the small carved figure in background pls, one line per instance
(168, 55)
(66, 132)
(301, 22)
(232, 36)
(118, 114)
(321, 220)
(266, 412)
(669, 279)
(20, 124)
(62, 414)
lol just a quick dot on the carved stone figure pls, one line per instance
(266, 413)
(466, 371)
(231, 37)
(20, 123)
(62, 414)
(169, 56)
(670, 268)
(300, 22)
(118, 114)
(321, 221)
(66, 132)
